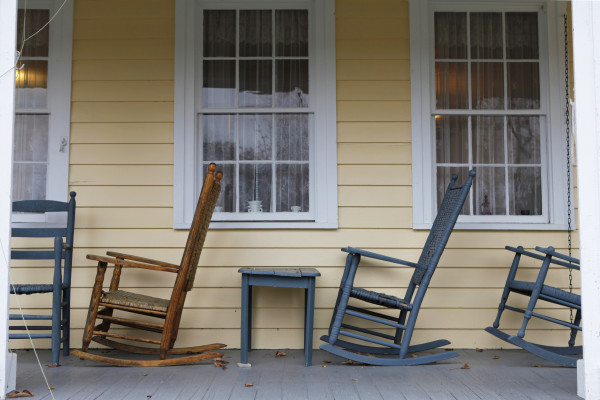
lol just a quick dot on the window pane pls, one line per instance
(291, 34)
(31, 138)
(486, 35)
(218, 89)
(32, 84)
(450, 35)
(451, 85)
(292, 188)
(292, 137)
(36, 46)
(523, 85)
(525, 190)
(487, 85)
(523, 135)
(444, 177)
(228, 184)
(488, 140)
(452, 139)
(255, 83)
(219, 33)
(255, 185)
(218, 137)
(255, 33)
(489, 191)
(256, 137)
(29, 181)
(522, 36)
(291, 84)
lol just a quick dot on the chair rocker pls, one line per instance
(61, 280)
(538, 290)
(168, 312)
(396, 349)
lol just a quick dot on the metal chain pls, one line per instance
(568, 138)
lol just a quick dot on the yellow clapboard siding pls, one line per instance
(124, 196)
(122, 132)
(129, 175)
(115, 28)
(373, 111)
(373, 90)
(127, 70)
(122, 154)
(119, 91)
(101, 218)
(374, 70)
(151, 111)
(361, 217)
(124, 9)
(372, 49)
(123, 49)
(374, 153)
(374, 175)
(374, 196)
(372, 9)
(374, 132)
(367, 27)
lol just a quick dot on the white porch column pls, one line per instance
(586, 49)
(8, 29)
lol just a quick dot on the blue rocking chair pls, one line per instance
(538, 290)
(396, 349)
(61, 281)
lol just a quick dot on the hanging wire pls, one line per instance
(568, 139)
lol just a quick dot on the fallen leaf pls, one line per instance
(465, 366)
(354, 380)
(479, 350)
(52, 366)
(149, 396)
(327, 361)
(324, 366)
(351, 362)
(51, 387)
(413, 355)
(219, 362)
(280, 354)
(144, 374)
(448, 349)
(495, 357)
(24, 393)
(248, 384)
(536, 365)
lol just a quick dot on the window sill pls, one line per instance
(488, 226)
(265, 225)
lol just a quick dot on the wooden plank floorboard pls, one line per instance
(510, 376)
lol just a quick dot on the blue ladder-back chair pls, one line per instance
(396, 348)
(61, 281)
(538, 290)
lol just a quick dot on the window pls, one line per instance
(255, 93)
(42, 104)
(488, 98)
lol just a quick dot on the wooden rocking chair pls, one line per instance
(395, 350)
(168, 310)
(538, 290)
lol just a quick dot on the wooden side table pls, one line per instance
(303, 278)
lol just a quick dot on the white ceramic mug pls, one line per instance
(295, 208)
(255, 206)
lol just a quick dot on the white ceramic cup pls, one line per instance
(295, 208)
(255, 206)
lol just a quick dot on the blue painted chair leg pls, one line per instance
(245, 328)
(344, 298)
(56, 301)
(574, 331)
(308, 324)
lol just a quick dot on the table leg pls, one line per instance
(309, 310)
(250, 318)
(246, 327)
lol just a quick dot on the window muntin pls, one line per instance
(488, 112)
(254, 114)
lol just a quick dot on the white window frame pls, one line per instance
(58, 107)
(553, 142)
(323, 172)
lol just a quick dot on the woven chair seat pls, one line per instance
(128, 299)
(32, 288)
(527, 287)
(381, 299)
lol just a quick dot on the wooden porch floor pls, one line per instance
(511, 376)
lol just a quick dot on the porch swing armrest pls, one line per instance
(571, 262)
(382, 257)
(520, 250)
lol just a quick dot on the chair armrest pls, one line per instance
(141, 259)
(370, 254)
(126, 263)
(571, 262)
